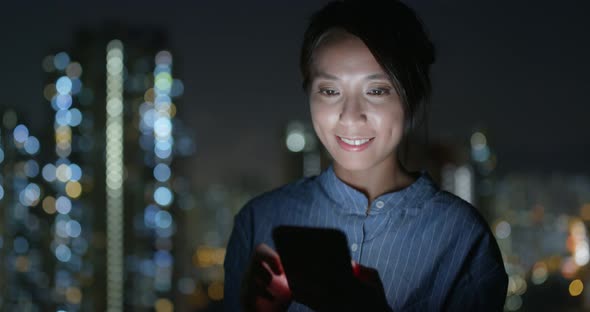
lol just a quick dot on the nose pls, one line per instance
(353, 111)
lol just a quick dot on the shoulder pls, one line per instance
(463, 229)
(296, 192)
(452, 205)
(457, 215)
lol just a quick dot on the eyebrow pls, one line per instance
(377, 76)
(325, 75)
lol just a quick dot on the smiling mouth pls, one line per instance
(355, 141)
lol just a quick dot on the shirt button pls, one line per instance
(354, 247)
(379, 204)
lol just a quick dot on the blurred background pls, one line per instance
(145, 126)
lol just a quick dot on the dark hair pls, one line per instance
(394, 35)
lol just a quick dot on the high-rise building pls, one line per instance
(23, 228)
(105, 191)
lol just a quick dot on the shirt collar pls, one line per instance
(353, 201)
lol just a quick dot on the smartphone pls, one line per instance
(316, 261)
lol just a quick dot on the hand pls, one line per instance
(265, 286)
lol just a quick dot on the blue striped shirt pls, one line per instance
(433, 251)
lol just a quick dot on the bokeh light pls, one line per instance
(481, 154)
(576, 287)
(63, 101)
(75, 117)
(540, 273)
(21, 133)
(163, 259)
(177, 88)
(76, 86)
(163, 127)
(61, 60)
(513, 303)
(21, 245)
(215, 290)
(163, 58)
(49, 172)
(60, 226)
(74, 295)
(31, 168)
(47, 64)
(295, 141)
(73, 189)
(63, 205)
(30, 195)
(75, 172)
(163, 81)
(163, 305)
(503, 230)
(478, 140)
(73, 228)
(9, 119)
(49, 92)
(186, 285)
(79, 245)
(162, 172)
(74, 70)
(63, 253)
(32, 145)
(63, 85)
(63, 173)
(163, 196)
(63, 117)
(162, 153)
(49, 205)
(163, 219)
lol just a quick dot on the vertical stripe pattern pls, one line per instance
(431, 248)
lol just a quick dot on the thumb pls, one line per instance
(365, 274)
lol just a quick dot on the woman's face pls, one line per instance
(356, 111)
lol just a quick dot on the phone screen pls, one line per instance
(315, 260)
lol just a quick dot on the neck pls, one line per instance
(386, 177)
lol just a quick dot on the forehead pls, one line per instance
(342, 52)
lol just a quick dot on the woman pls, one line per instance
(365, 67)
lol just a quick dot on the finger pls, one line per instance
(266, 254)
(366, 274)
(356, 269)
(253, 294)
(261, 272)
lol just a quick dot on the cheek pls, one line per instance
(316, 120)
(390, 121)
(321, 116)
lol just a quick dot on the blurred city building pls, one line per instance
(98, 212)
(91, 219)
(541, 227)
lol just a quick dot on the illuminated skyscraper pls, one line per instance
(23, 227)
(133, 73)
(90, 224)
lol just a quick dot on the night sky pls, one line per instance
(518, 69)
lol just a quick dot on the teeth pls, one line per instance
(355, 142)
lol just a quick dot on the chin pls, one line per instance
(353, 164)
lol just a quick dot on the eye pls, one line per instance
(379, 91)
(328, 92)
